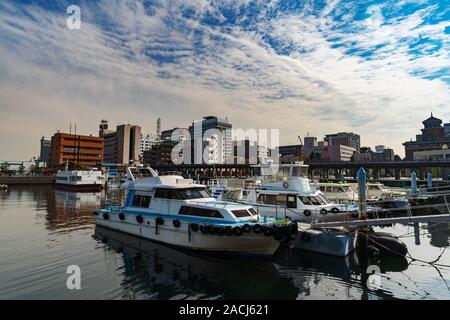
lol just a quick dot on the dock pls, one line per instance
(27, 180)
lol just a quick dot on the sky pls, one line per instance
(376, 68)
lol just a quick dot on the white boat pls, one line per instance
(378, 191)
(80, 180)
(179, 212)
(286, 191)
(338, 192)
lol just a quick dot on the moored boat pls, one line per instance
(80, 180)
(179, 212)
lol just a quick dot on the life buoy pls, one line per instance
(203, 229)
(121, 216)
(194, 227)
(247, 228)
(176, 223)
(228, 231)
(105, 216)
(285, 184)
(323, 211)
(219, 231)
(268, 232)
(139, 219)
(307, 213)
(210, 230)
(257, 229)
(159, 220)
(237, 231)
(278, 233)
(335, 210)
(354, 215)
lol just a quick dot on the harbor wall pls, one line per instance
(27, 180)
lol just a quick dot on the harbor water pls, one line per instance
(44, 230)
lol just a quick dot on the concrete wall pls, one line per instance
(27, 180)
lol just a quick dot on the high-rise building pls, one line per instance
(344, 138)
(46, 149)
(212, 136)
(123, 146)
(147, 142)
(433, 137)
(291, 153)
(161, 151)
(310, 143)
(76, 150)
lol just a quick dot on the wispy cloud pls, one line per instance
(373, 67)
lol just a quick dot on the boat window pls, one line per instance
(304, 200)
(192, 193)
(320, 200)
(291, 201)
(313, 200)
(137, 201)
(162, 193)
(199, 212)
(141, 201)
(241, 213)
(146, 201)
(347, 189)
(322, 188)
(253, 211)
(324, 199)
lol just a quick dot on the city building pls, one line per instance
(344, 138)
(161, 151)
(291, 153)
(74, 149)
(433, 155)
(147, 142)
(122, 146)
(381, 154)
(213, 135)
(309, 144)
(45, 150)
(246, 152)
(433, 137)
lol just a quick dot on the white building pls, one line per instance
(147, 142)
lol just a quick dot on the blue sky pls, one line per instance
(377, 68)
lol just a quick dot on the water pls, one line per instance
(43, 231)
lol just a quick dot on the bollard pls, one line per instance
(429, 180)
(362, 196)
(413, 182)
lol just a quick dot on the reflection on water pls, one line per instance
(46, 230)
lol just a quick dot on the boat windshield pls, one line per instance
(192, 193)
(347, 189)
(182, 194)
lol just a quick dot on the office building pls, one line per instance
(45, 150)
(211, 136)
(122, 146)
(76, 150)
(344, 138)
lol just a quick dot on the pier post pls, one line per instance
(413, 182)
(429, 180)
(362, 196)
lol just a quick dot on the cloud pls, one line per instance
(306, 66)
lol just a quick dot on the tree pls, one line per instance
(4, 167)
(365, 149)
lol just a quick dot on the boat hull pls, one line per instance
(80, 187)
(183, 236)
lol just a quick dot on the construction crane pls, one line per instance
(302, 156)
